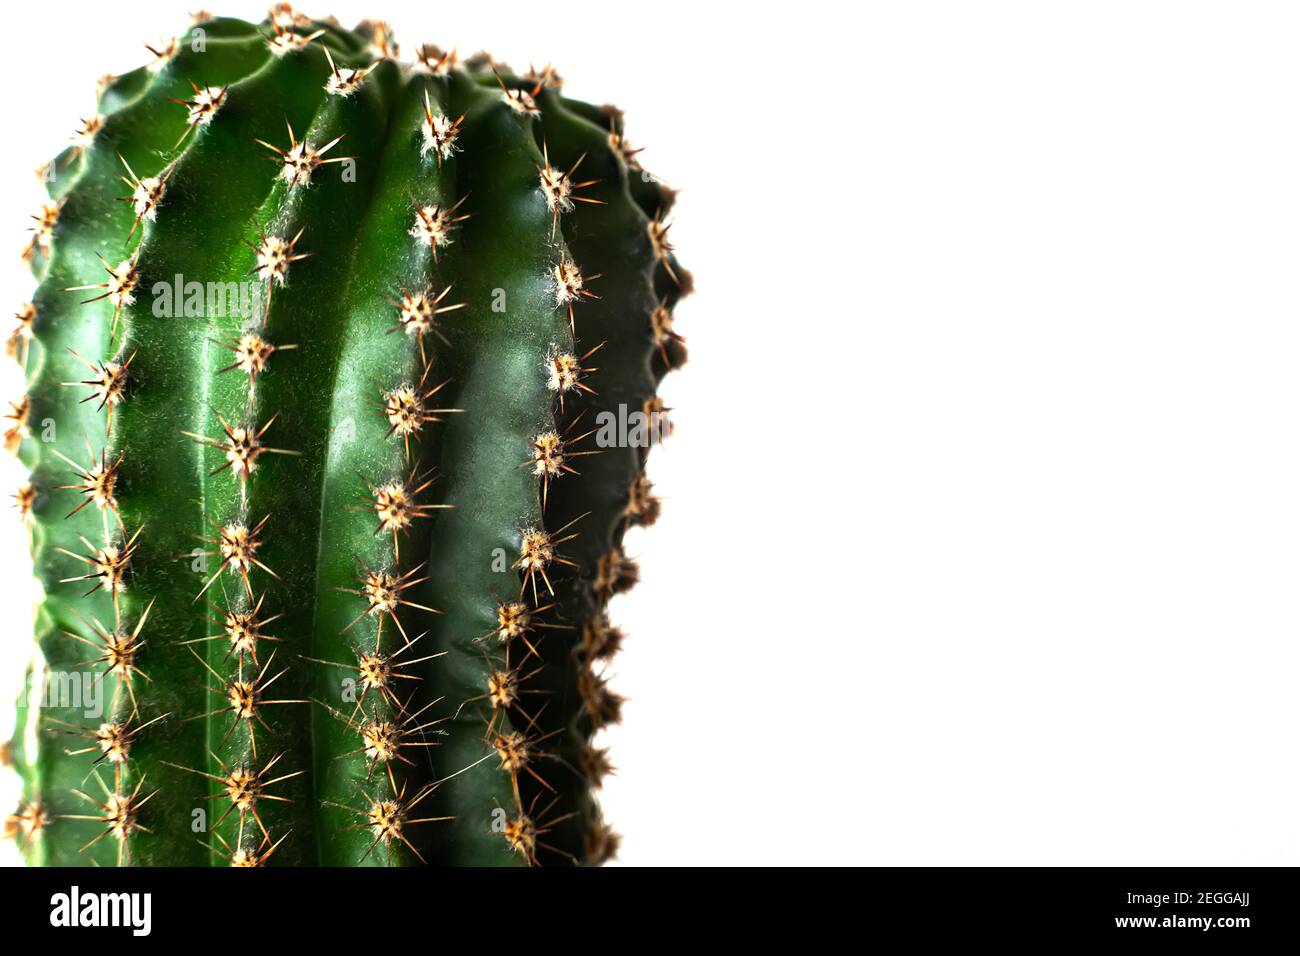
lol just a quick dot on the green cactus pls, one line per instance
(325, 366)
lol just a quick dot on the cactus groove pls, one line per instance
(330, 368)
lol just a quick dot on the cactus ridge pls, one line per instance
(320, 368)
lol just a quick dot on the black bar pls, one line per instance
(621, 905)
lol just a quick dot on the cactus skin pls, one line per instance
(472, 742)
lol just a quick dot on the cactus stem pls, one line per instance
(406, 409)
(523, 835)
(622, 148)
(570, 285)
(522, 102)
(388, 818)
(237, 546)
(84, 137)
(600, 639)
(382, 45)
(504, 689)
(120, 287)
(162, 53)
(283, 16)
(182, 166)
(433, 225)
(601, 705)
(377, 671)
(120, 814)
(25, 823)
(108, 385)
(615, 574)
(118, 653)
(439, 133)
(551, 454)
(596, 764)
(19, 343)
(243, 785)
(515, 620)
(244, 697)
(537, 551)
(112, 740)
(19, 413)
(657, 230)
(383, 593)
(669, 343)
(434, 61)
(285, 40)
(564, 372)
(274, 256)
(247, 858)
(394, 504)
(548, 77)
(201, 109)
(108, 566)
(43, 231)
(24, 498)
(382, 740)
(560, 190)
(146, 195)
(98, 482)
(252, 356)
(344, 82)
(642, 504)
(300, 160)
(516, 752)
(242, 630)
(242, 447)
(418, 312)
(601, 843)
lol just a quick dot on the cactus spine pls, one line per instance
(318, 364)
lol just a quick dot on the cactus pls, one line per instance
(342, 376)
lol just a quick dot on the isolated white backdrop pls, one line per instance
(982, 532)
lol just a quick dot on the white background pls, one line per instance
(982, 533)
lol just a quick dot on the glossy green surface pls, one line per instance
(319, 407)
